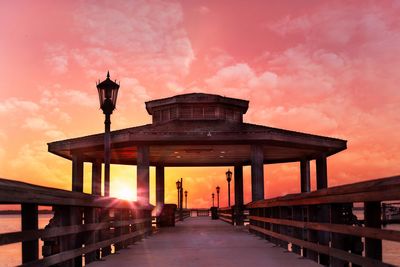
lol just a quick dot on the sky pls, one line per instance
(324, 67)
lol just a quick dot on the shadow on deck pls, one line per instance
(200, 241)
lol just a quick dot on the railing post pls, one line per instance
(76, 219)
(62, 215)
(105, 233)
(372, 216)
(323, 237)
(125, 217)
(297, 232)
(312, 235)
(117, 229)
(29, 221)
(338, 240)
(90, 236)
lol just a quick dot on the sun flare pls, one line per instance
(124, 193)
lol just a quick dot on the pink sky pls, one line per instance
(323, 67)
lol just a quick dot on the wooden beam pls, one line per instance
(70, 254)
(14, 192)
(375, 190)
(337, 253)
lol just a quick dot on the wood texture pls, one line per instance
(337, 253)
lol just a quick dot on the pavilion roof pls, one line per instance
(201, 143)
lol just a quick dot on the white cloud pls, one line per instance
(37, 123)
(55, 134)
(80, 98)
(57, 58)
(150, 34)
(14, 104)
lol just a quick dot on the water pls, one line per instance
(10, 255)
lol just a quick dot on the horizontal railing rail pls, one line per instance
(83, 228)
(321, 225)
(201, 212)
(226, 214)
(181, 215)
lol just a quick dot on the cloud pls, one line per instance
(204, 10)
(42, 167)
(13, 104)
(148, 34)
(57, 58)
(37, 123)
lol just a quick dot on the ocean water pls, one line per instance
(10, 255)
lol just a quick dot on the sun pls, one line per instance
(124, 192)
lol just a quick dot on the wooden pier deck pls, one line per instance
(200, 241)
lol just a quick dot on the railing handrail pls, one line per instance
(322, 226)
(15, 192)
(226, 208)
(383, 189)
(79, 219)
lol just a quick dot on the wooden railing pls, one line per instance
(226, 214)
(201, 212)
(233, 216)
(321, 226)
(181, 215)
(84, 227)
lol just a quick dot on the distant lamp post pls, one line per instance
(229, 179)
(178, 187)
(212, 195)
(218, 188)
(186, 199)
(181, 196)
(108, 92)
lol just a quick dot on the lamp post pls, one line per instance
(181, 194)
(108, 91)
(217, 188)
(212, 195)
(178, 187)
(229, 178)
(186, 199)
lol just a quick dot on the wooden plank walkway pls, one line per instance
(198, 242)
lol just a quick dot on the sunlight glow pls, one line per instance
(123, 192)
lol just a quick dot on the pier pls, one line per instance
(306, 228)
(200, 241)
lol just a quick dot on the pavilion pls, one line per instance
(199, 130)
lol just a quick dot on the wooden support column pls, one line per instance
(372, 216)
(77, 174)
(238, 180)
(143, 164)
(96, 178)
(257, 172)
(305, 176)
(76, 213)
(323, 210)
(159, 189)
(29, 221)
(322, 174)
